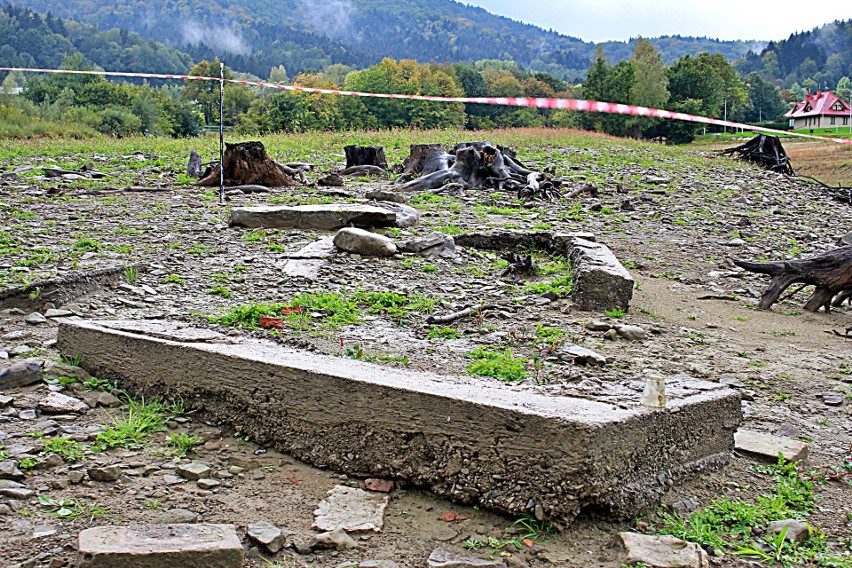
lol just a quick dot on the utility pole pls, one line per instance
(725, 126)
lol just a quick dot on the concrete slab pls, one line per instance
(156, 546)
(469, 439)
(600, 281)
(351, 509)
(328, 217)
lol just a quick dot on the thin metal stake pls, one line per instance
(221, 133)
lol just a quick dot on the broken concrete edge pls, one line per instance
(328, 217)
(600, 281)
(463, 438)
(65, 288)
(768, 447)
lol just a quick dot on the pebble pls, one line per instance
(35, 318)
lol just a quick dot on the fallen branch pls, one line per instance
(449, 318)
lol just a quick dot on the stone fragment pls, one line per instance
(208, 483)
(106, 474)
(58, 403)
(797, 531)
(176, 517)
(193, 470)
(107, 399)
(406, 216)
(768, 447)
(61, 370)
(581, 355)
(600, 281)
(663, 551)
(443, 557)
(267, 535)
(328, 217)
(655, 180)
(365, 243)
(631, 332)
(380, 485)
(382, 195)
(35, 318)
(159, 546)
(55, 313)
(378, 564)
(337, 539)
(21, 374)
(436, 244)
(6, 400)
(597, 325)
(833, 399)
(350, 509)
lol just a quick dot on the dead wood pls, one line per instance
(518, 265)
(424, 159)
(830, 273)
(765, 151)
(193, 168)
(365, 156)
(247, 163)
(449, 318)
(364, 170)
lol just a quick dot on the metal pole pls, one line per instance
(726, 114)
(221, 133)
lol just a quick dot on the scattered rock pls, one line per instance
(379, 564)
(208, 483)
(176, 517)
(767, 447)
(351, 509)
(662, 551)
(58, 403)
(193, 470)
(35, 318)
(267, 535)
(581, 355)
(211, 546)
(55, 313)
(600, 280)
(61, 370)
(382, 195)
(365, 243)
(597, 325)
(631, 332)
(108, 473)
(328, 217)
(380, 485)
(797, 531)
(107, 400)
(337, 539)
(436, 244)
(833, 399)
(443, 557)
(21, 374)
(405, 216)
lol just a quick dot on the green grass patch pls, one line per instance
(70, 450)
(443, 332)
(143, 418)
(499, 365)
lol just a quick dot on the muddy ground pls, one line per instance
(688, 216)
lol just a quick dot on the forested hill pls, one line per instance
(674, 47)
(28, 39)
(255, 35)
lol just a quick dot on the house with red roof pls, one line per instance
(822, 109)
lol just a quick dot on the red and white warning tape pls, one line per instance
(561, 104)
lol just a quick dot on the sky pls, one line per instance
(603, 20)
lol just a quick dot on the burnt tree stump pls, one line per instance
(365, 156)
(830, 273)
(247, 163)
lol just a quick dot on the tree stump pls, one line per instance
(365, 156)
(765, 151)
(247, 163)
(424, 159)
(830, 273)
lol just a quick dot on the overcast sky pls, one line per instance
(602, 20)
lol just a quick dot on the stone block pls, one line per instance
(600, 281)
(328, 217)
(160, 546)
(767, 447)
(467, 439)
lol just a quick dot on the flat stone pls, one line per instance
(600, 281)
(61, 370)
(351, 509)
(797, 531)
(833, 399)
(328, 217)
(378, 564)
(336, 539)
(406, 216)
(768, 447)
(9, 470)
(58, 403)
(107, 400)
(159, 546)
(436, 244)
(380, 485)
(267, 535)
(55, 313)
(597, 325)
(35, 318)
(108, 473)
(193, 470)
(563, 434)
(208, 483)
(664, 551)
(581, 355)
(365, 243)
(21, 374)
(382, 195)
(176, 516)
(443, 557)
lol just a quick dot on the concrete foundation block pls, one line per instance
(600, 281)
(468, 439)
(329, 217)
(160, 546)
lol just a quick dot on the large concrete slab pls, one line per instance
(156, 546)
(469, 439)
(329, 217)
